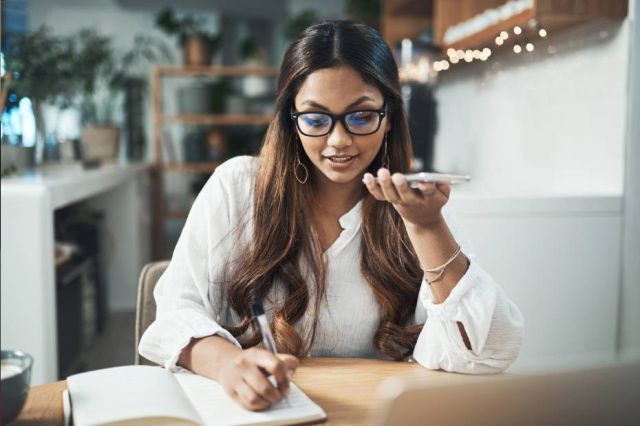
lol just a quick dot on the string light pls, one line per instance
(457, 56)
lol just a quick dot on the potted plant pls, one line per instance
(40, 66)
(198, 44)
(107, 78)
(84, 71)
(253, 55)
(97, 86)
(146, 50)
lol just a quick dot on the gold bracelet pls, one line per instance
(445, 264)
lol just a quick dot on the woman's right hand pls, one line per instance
(244, 377)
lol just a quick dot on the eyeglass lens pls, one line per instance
(357, 122)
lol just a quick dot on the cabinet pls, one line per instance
(28, 273)
(161, 120)
(408, 18)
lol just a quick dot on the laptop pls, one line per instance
(597, 396)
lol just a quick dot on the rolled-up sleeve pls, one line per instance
(185, 308)
(493, 323)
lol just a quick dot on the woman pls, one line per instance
(345, 265)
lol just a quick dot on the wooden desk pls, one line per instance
(346, 388)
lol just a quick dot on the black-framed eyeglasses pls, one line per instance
(318, 123)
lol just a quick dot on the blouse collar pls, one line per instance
(351, 219)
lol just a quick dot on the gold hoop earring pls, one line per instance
(304, 168)
(385, 155)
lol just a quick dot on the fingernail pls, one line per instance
(290, 373)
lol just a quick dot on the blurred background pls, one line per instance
(115, 113)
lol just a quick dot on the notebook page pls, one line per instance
(216, 408)
(128, 393)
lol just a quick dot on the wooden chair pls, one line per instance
(146, 305)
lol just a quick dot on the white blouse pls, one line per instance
(190, 302)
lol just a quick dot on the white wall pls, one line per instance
(557, 258)
(629, 338)
(540, 122)
(552, 125)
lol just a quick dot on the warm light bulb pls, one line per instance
(445, 65)
(437, 66)
(486, 51)
(542, 32)
(499, 41)
(517, 48)
(454, 59)
(529, 47)
(451, 51)
(504, 35)
(468, 57)
(476, 54)
(517, 30)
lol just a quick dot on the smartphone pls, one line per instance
(415, 178)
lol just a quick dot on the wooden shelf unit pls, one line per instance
(161, 120)
(552, 15)
(200, 167)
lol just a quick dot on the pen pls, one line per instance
(258, 313)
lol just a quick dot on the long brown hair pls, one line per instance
(282, 232)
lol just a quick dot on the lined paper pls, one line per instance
(212, 404)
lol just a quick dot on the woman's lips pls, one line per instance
(340, 162)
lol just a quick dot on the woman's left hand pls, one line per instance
(420, 207)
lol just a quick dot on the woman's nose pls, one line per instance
(339, 137)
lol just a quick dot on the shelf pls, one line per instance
(551, 15)
(408, 7)
(216, 119)
(162, 118)
(487, 35)
(215, 71)
(203, 167)
(404, 19)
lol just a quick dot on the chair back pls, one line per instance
(146, 304)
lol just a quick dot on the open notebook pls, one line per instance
(144, 395)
